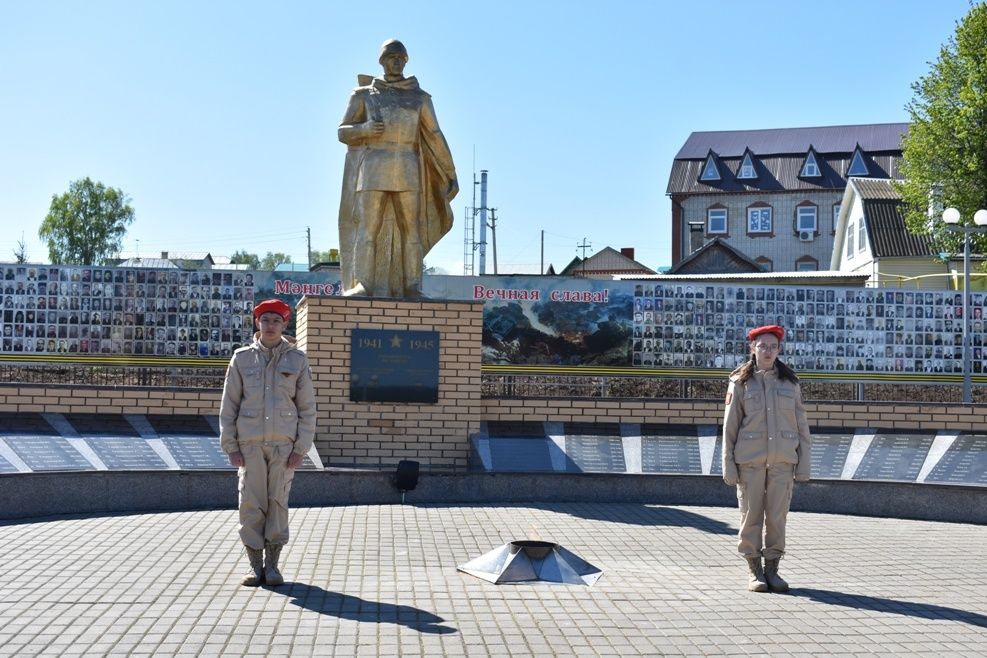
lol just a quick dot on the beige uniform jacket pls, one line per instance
(765, 423)
(268, 396)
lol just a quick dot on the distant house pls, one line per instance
(605, 264)
(774, 195)
(871, 238)
(716, 257)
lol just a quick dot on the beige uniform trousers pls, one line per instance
(765, 494)
(265, 482)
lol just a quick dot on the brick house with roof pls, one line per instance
(774, 195)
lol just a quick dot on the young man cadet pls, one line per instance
(267, 424)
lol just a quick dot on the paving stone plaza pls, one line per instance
(381, 580)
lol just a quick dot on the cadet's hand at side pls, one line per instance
(236, 459)
(295, 460)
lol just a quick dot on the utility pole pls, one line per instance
(308, 238)
(584, 246)
(493, 235)
(542, 252)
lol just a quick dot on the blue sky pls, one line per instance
(219, 119)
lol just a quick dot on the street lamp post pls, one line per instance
(952, 218)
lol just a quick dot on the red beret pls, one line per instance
(767, 329)
(273, 306)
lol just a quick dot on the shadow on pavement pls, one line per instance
(345, 606)
(893, 606)
(640, 514)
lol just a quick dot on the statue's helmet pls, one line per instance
(392, 47)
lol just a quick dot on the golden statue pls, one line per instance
(398, 181)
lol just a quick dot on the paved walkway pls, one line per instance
(382, 581)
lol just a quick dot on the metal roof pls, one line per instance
(889, 237)
(773, 141)
(777, 173)
(870, 189)
(815, 276)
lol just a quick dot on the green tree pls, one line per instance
(20, 253)
(945, 151)
(272, 260)
(242, 257)
(86, 225)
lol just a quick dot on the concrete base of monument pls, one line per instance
(33, 495)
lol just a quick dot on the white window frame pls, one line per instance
(747, 169)
(807, 213)
(836, 216)
(807, 266)
(810, 169)
(861, 235)
(720, 214)
(710, 164)
(758, 214)
(850, 251)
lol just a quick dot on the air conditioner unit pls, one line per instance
(807, 236)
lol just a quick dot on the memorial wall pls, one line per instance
(551, 322)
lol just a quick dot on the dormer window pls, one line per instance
(810, 168)
(710, 171)
(746, 169)
(857, 165)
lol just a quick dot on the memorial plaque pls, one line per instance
(197, 452)
(521, 454)
(394, 366)
(964, 463)
(128, 453)
(48, 453)
(595, 454)
(671, 454)
(829, 453)
(894, 457)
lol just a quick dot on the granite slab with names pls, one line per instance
(829, 453)
(6, 466)
(48, 453)
(595, 454)
(894, 457)
(964, 463)
(197, 452)
(126, 453)
(671, 454)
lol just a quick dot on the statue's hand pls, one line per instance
(372, 128)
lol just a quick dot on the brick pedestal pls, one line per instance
(375, 434)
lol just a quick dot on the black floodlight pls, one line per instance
(406, 477)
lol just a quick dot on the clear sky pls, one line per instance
(219, 119)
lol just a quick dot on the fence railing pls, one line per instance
(502, 385)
